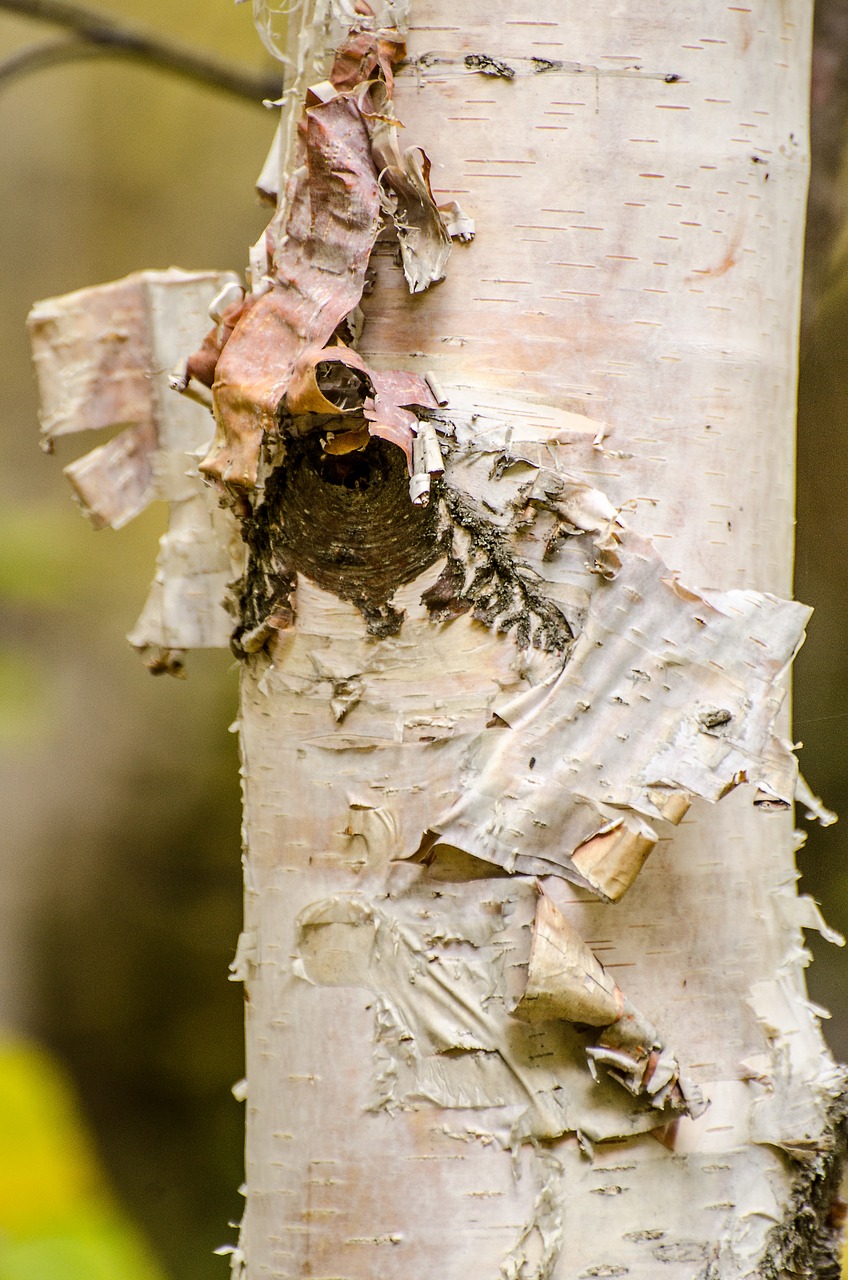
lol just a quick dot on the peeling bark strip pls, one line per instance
(475, 697)
(102, 357)
(318, 248)
(666, 694)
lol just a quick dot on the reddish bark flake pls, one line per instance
(319, 274)
(281, 353)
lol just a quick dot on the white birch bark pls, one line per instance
(638, 186)
(465, 728)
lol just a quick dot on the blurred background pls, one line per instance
(121, 887)
(120, 904)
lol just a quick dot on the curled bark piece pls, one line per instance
(226, 300)
(114, 482)
(319, 273)
(201, 363)
(390, 421)
(389, 412)
(424, 240)
(255, 640)
(458, 224)
(333, 381)
(632, 1050)
(101, 355)
(427, 461)
(565, 981)
(610, 861)
(365, 52)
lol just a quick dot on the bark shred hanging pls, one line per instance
(297, 409)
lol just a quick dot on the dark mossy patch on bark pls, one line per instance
(492, 583)
(809, 1242)
(347, 523)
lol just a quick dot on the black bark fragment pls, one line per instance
(502, 593)
(489, 66)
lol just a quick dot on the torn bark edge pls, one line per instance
(610, 861)
(250, 391)
(810, 1240)
(565, 981)
(814, 808)
(164, 662)
(115, 482)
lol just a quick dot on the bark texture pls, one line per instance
(638, 186)
(518, 518)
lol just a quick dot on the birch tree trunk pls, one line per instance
(466, 724)
(638, 180)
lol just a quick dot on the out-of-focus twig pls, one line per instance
(49, 53)
(95, 33)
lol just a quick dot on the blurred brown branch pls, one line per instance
(96, 34)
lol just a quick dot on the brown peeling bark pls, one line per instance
(362, 54)
(201, 364)
(318, 279)
(271, 360)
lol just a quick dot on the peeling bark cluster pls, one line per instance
(102, 357)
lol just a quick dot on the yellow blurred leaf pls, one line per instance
(58, 1220)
